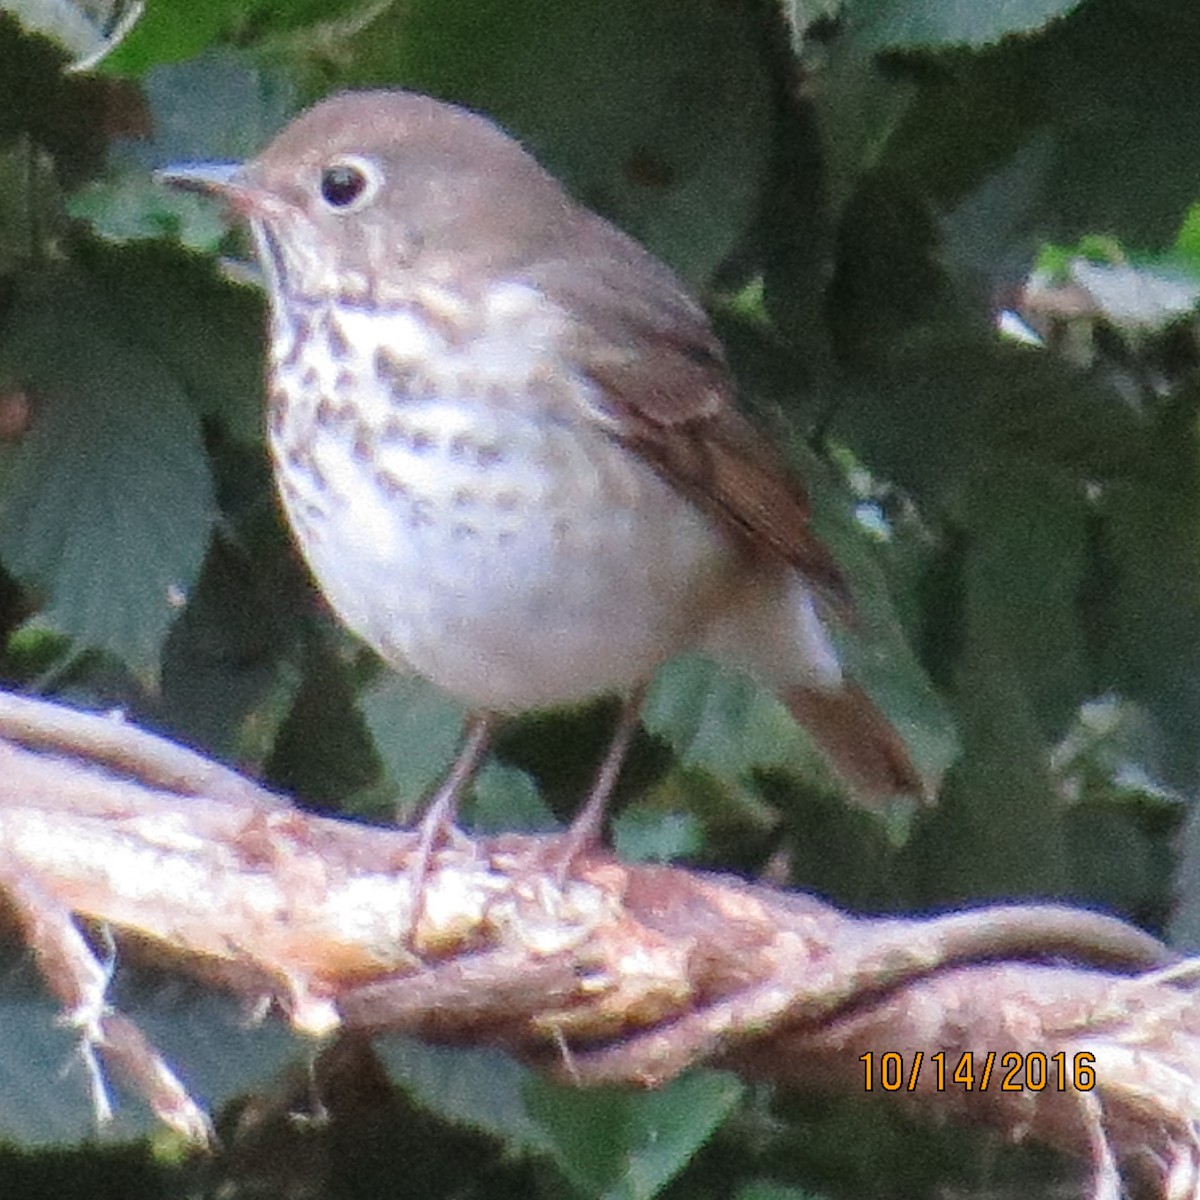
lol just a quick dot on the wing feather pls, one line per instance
(666, 393)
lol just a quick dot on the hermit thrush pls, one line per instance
(504, 437)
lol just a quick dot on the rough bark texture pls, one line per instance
(626, 974)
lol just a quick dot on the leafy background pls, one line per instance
(859, 192)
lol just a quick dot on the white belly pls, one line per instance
(515, 559)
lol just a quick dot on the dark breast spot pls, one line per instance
(299, 330)
(276, 409)
(503, 397)
(363, 446)
(395, 373)
(464, 448)
(336, 341)
(390, 485)
(302, 460)
(449, 327)
(329, 414)
(394, 432)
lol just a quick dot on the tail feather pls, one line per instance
(861, 744)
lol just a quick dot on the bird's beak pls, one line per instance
(224, 181)
(213, 179)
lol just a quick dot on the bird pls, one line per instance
(506, 439)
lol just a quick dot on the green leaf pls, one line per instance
(45, 1098)
(623, 1145)
(950, 403)
(188, 121)
(875, 649)
(1185, 916)
(478, 1087)
(1020, 676)
(858, 108)
(416, 729)
(71, 26)
(209, 332)
(800, 14)
(644, 835)
(761, 1190)
(323, 750)
(1114, 79)
(720, 720)
(1026, 535)
(896, 24)
(506, 799)
(228, 679)
(1124, 858)
(1150, 601)
(169, 30)
(1187, 243)
(127, 205)
(106, 505)
(999, 828)
(30, 202)
(172, 30)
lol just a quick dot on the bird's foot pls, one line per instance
(579, 841)
(585, 833)
(439, 826)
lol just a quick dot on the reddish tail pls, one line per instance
(861, 744)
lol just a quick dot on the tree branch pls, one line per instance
(620, 974)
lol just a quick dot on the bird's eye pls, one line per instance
(348, 184)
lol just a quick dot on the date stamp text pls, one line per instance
(971, 1071)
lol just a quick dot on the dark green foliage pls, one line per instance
(855, 192)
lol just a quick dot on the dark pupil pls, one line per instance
(342, 185)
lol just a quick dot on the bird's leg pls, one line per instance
(438, 823)
(586, 829)
(442, 809)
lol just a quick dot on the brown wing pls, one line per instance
(667, 394)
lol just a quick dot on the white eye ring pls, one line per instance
(349, 183)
